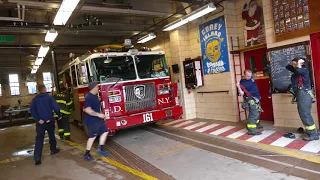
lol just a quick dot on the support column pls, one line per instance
(179, 45)
(55, 71)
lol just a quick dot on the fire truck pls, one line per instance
(135, 86)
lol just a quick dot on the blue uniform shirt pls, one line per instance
(93, 102)
(42, 106)
(303, 72)
(251, 87)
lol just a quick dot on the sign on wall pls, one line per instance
(214, 47)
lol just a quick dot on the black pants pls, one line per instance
(64, 126)
(41, 130)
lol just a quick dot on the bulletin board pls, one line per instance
(295, 18)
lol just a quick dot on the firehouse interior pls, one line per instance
(185, 89)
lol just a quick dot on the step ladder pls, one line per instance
(237, 68)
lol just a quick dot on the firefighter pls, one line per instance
(65, 104)
(248, 88)
(41, 109)
(302, 89)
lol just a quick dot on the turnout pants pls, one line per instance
(64, 127)
(254, 116)
(40, 130)
(304, 102)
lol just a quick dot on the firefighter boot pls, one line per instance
(253, 133)
(259, 126)
(66, 138)
(311, 138)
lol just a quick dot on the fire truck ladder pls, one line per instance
(237, 68)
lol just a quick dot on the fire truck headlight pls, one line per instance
(114, 99)
(163, 89)
(177, 100)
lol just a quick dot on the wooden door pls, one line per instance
(315, 46)
(257, 61)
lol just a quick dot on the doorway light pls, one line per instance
(65, 11)
(51, 35)
(43, 51)
(190, 17)
(147, 38)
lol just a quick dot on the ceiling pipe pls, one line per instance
(21, 14)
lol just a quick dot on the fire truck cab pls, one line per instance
(135, 87)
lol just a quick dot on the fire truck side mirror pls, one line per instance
(193, 73)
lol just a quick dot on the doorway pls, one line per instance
(257, 61)
(315, 46)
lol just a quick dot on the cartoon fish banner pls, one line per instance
(214, 47)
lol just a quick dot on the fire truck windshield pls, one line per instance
(151, 66)
(113, 69)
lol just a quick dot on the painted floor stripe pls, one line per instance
(202, 126)
(238, 134)
(112, 162)
(272, 138)
(313, 146)
(182, 124)
(214, 129)
(194, 125)
(186, 125)
(282, 142)
(231, 131)
(173, 122)
(222, 130)
(297, 144)
(207, 127)
(264, 134)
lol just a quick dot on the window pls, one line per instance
(83, 75)
(32, 87)
(14, 84)
(151, 66)
(114, 69)
(74, 76)
(47, 81)
(0, 90)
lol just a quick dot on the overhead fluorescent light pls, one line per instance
(38, 61)
(190, 17)
(33, 71)
(43, 51)
(147, 38)
(51, 35)
(65, 11)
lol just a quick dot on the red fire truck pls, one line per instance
(135, 86)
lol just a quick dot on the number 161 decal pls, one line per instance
(147, 117)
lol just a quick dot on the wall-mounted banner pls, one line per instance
(214, 46)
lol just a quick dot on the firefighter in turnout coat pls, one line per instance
(65, 104)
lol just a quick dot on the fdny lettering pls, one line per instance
(117, 109)
(164, 100)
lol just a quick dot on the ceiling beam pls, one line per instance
(90, 8)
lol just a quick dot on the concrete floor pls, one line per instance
(136, 153)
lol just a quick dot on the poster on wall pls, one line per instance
(214, 46)
(254, 28)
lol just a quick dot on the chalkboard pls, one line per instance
(279, 59)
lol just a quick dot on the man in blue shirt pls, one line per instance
(41, 110)
(302, 88)
(94, 121)
(248, 88)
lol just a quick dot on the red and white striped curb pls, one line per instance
(269, 137)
